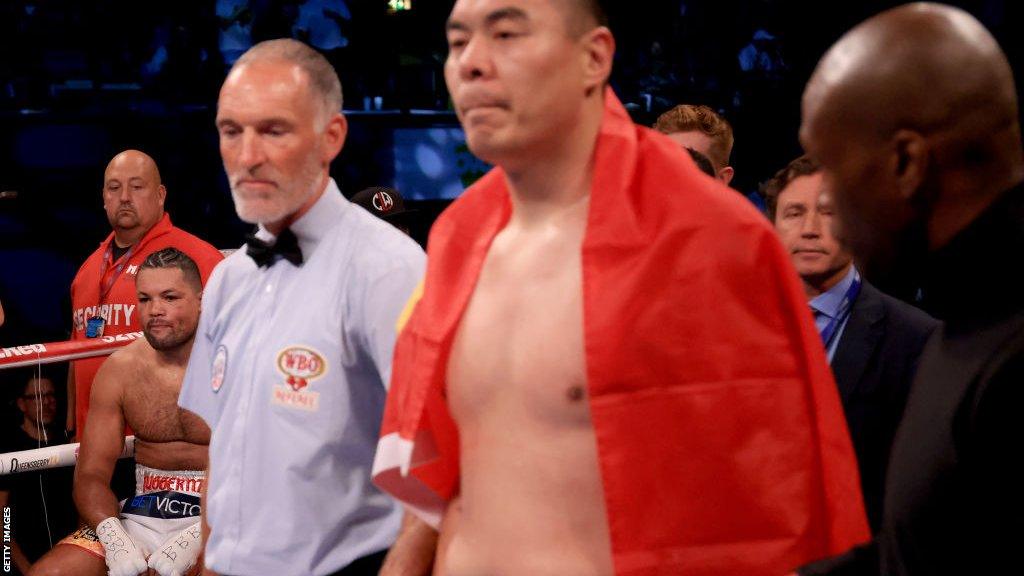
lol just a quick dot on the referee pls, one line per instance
(293, 350)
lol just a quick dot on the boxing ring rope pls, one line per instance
(53, 352)
(51, 457)
(50, 353)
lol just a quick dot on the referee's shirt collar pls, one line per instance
(314, 224)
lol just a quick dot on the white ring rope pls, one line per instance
(51, 457)
(49, 353)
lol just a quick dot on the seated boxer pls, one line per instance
(159, 528)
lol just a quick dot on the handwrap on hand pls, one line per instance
(123, 557)
(178, 553)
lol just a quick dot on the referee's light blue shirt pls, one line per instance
(289, 368)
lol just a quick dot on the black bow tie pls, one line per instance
(287, 247)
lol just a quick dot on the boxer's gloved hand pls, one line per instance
(122, 555)
(178, 553)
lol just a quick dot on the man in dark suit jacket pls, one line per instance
(873, 341)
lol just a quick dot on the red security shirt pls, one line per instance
(119, 307)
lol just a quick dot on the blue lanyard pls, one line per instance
(845, 306)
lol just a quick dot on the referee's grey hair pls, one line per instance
(322, 77)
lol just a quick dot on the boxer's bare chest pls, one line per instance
(517, 390)
(151, 407)
(519, 348)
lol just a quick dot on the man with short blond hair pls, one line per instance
(700, 128)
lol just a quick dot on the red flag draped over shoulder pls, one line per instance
(722, 443)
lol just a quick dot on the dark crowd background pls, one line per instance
(80, 81)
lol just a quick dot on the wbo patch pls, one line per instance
(219, 368)
(300, 365)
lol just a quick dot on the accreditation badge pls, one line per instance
(94, 327)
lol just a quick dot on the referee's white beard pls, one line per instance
(290, 197)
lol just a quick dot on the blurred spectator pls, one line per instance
(762, 57)
(235, 19)
(185, 63)
(322, 24)
(40, 501)
(701, 129)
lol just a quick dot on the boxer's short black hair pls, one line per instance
(174, 258)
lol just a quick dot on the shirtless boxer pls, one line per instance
(138, 386)
(612, 366)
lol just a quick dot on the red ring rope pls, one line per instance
(50, 352)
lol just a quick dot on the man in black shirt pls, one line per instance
(40, 502)
(914, 116)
